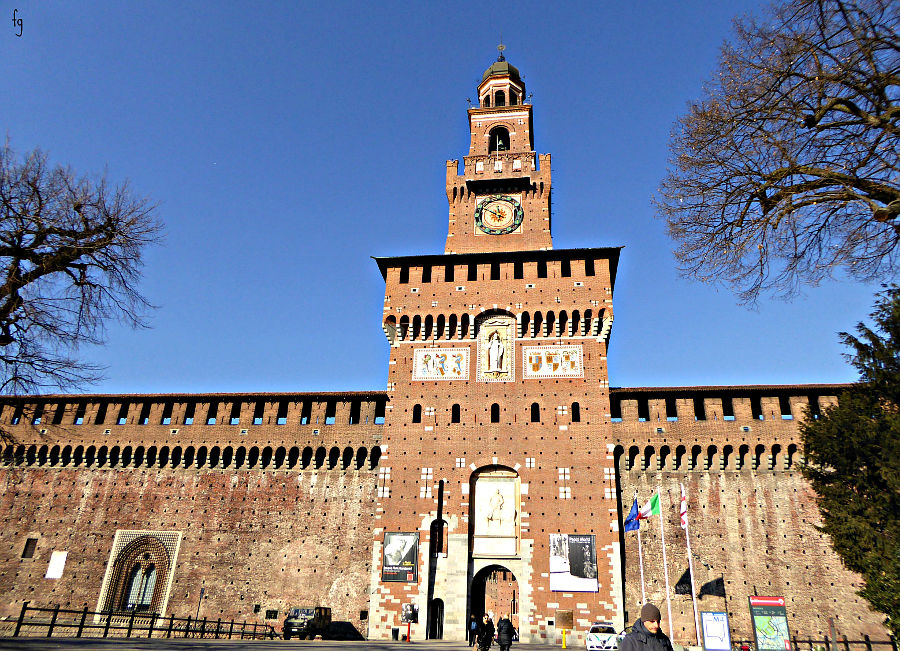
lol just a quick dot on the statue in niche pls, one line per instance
(496, 352)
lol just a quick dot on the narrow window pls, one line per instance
(643, 410)
(404, 275)
(499, 98)
(495, 271)
(417, 414)
(814, 409)
(101, 413)
(426, 273)
(58, 415)
(473, 272)
(258, 412)
(38, 414)
(454, 414)
(79, 413)
(727, 409)
(518, 270)
(535, 413)
(354, 412)
(379, 418)
(615, 409)
(30, 545)
(671, 409)
(212, 414)
(542, 268)
(576, 412)
(699, 409)
(565, 268)
(756, 408)
(281, 418)
(166, 418)
(589, 267)
(448, 273)
(235, 417)
(495, 413)
(499, 140)
(784, 405)
(330, 411)
(306, 412)
(144, 417)
(123, 414)
(189, 413)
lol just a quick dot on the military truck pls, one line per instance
(306, 623)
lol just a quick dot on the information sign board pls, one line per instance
(770, 625)
(716, 632)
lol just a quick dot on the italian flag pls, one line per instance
(650, 508)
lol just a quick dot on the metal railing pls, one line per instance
(62, 622)
(827, 644)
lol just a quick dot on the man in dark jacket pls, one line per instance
(645, 633)
(486, 633)
(505, 632)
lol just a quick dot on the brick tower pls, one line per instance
(496, 491)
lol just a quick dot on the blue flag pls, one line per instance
(632, 522)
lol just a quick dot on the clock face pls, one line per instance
(498, 215)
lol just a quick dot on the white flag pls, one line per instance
(683, 509)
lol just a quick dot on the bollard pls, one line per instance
(564, 638)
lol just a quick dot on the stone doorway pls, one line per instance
(495, 591)
(436, 619)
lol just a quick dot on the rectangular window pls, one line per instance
(427, 480)
(460, 462)
(101, 413)
(589, 267)
(282, 413)
(122, 418)
(213, 412)
(426, 273)
(189, 413)
(518, 270)
(379, 412)
(144, 418)
(56, 566)
(784, 405)
(671, 409)
(529, 462)
(306, 412)
(354, 412)
(258, 412)
(643, 410)
(473, 272)
(615, 409)
(38, 414)
(756, 408)
(235, 418)
(271, 614)
(495, 271)
(58, 415)
(542, 268)
(30, 545)
(166, 414)
(699, 409)
(330, 410)
(79, 413)
(565, 268)
(814, 409)
(404, 275)
(448, 273)
(384, 480)
(727, 409)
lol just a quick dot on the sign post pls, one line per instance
(770, 626)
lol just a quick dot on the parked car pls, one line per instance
(306, 622)
(602, 637)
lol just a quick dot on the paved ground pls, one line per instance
(121, 644)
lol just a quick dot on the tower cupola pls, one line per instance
(501, 84)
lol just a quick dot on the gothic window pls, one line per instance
(139, 592)
(499, 140)
(134, 580)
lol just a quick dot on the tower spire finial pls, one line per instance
(500, 48)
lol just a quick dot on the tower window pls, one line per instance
(473, 272)
(495, 413)
(513, 98)
(454, 414)
(542, 268)
(417, 414)
(535, 413)
(495, 271)
(518, 271)
(576, 412)
(448, 273)
(499, 98)
(499, 139)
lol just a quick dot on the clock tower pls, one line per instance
(496, 491)
(501, 201)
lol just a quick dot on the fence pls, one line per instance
(826, 644)
(62, 622)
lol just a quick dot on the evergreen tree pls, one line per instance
(853, 460)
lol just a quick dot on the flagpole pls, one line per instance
(641, 559)
(662, 536)
(687, 539)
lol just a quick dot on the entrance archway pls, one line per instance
(495, 591)
(436, 619)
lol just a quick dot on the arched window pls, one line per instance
(499, 98)
(495, 413)
(139, 592)
(499, 140)
(513, 98)
(535, 412)
(576, 412)
(486, 101)
(454, 414)
(417, 414)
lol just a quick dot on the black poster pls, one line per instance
(400, 558)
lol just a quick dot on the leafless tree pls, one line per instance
(70, 260)
(787, 170)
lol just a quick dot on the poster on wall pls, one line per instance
(542, 362)
(410, 614)
(573, 563)
(770, 625)
(716, 633)
(400, 557)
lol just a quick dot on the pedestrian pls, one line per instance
(473, 630)
(505, 631)
(645, 633)
(485, 633)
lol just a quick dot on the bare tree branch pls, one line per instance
(70, 260)
(788, 169)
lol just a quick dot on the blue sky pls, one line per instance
(287, 142)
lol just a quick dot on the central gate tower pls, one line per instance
(496, 489)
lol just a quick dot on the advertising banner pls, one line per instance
(716, 632)
(400, 557)
(770, 625)
(573, 563)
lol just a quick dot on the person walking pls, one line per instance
(646, 634)
(485, 633)
(473, 630)
(505, 631)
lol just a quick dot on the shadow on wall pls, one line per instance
(342, 631)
